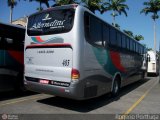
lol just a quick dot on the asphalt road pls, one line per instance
(142, 97)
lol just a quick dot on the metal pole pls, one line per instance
(155, 37)
(159, 61)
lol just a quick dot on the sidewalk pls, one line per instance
(151, 103)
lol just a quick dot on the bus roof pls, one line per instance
(8, 24)
(111, 25)
(56, 8)
(77, 5)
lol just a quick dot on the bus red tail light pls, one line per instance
(75, 74)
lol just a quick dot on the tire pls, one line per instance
(143, 75)
(116, 87)
(19, 85)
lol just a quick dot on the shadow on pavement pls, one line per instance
(152, 75)
(91, 104)
(13, 94)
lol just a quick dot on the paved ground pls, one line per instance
(142, 97)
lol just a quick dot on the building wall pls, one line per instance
(21, 21)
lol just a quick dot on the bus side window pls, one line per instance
(123, 42)
(87, 25)
(137, 47)
(140, 49)
(1, 43)
(127, 43)
(9, 40)
(105, 34)
(131, 44)
(119, 39)
(8, 43)
(134, 46)
(113, 37)
(96, 31)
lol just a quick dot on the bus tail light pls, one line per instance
(75, 74)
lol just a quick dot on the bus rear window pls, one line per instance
(51, 22)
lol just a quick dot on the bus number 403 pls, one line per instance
(65, 62)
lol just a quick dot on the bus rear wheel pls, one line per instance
(116, 87)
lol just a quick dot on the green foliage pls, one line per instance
(64, 2)
(12, 3)
(39, 8)
(46, 2)
(129, 33)
(136, 37)
(116, 25)
(116, 6)
(93, 5)
(149, 49)
(152, 6)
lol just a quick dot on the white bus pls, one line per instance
(11, 56)
(153, 63)
(70, 52)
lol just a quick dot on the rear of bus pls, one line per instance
(52, 52)
(153, 67)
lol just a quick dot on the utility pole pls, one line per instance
(159, 61)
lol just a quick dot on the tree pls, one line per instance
(64, 2)
(138, 37)
(117, 26)
(153, 6)
(116, 6)
(93, 5)
(129, 33)
(46, 2)
(11, 4)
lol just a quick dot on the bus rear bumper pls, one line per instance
(67, 92)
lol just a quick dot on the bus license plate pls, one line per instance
(44, 81)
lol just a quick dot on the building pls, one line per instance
(21, 21)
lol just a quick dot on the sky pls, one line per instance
(139, 24)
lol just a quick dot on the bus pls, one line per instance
(153, 63)
(11, 57)
(72, 53)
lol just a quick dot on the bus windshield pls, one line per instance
(51, 22)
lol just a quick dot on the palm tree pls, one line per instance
(138, 37)
(46, 2)
(116, 6)
(153, 6)
(39, 9)
(64, 2)
(129, 33)
(11, 4)
(93, 5)
(117, 26)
